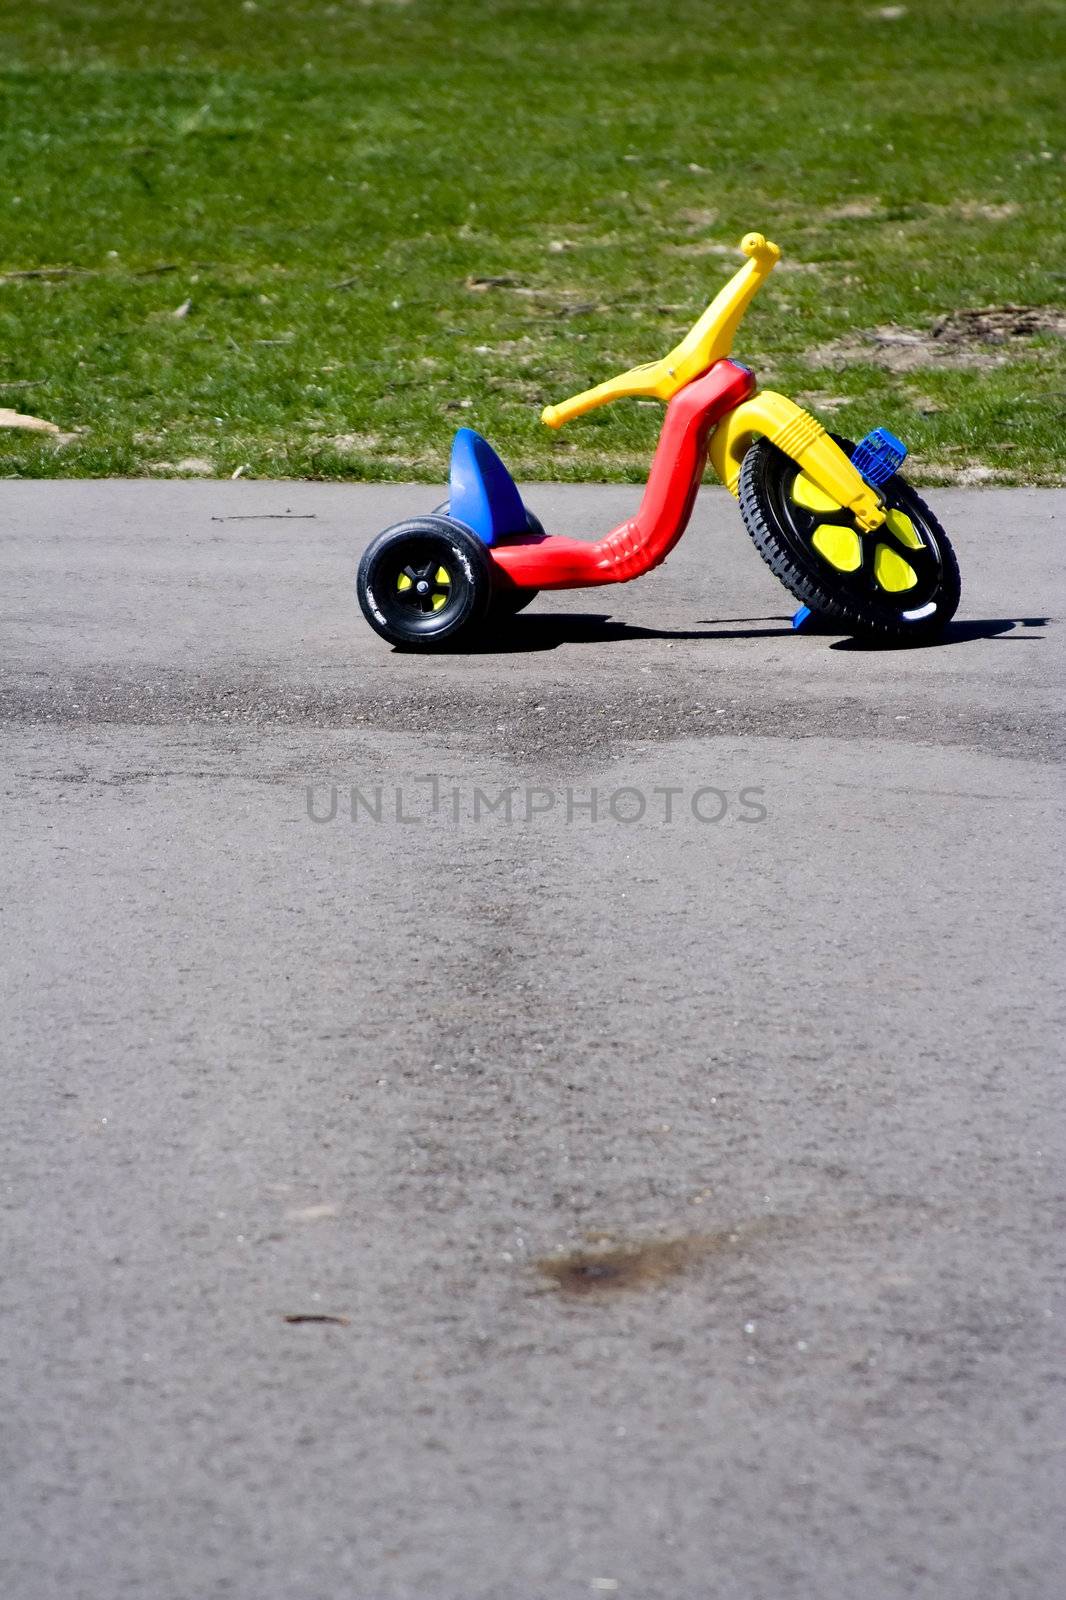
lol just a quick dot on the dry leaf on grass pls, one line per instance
(481, 285)
(15, 419)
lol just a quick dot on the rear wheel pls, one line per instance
(425, 583)
(900, 582)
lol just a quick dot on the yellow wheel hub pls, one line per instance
(838, 542)
(433, 591)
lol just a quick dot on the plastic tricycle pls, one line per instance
(844, 532)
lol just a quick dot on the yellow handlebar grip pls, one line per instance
(757, 247)
(644, 380)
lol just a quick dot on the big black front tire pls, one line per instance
(900, 583)
(425, 583)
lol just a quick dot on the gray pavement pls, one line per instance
(261, 1066)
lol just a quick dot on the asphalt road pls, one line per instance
(685, 1176)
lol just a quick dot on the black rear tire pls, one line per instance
(782, 531)
(425, 583)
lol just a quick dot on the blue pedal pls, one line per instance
(810, 622)
(878, 457)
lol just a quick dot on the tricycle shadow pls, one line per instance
(528, 634)
(954, 633)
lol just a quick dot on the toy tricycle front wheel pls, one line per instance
(424, 583)
(900, 583)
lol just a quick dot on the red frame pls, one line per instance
(635, 546)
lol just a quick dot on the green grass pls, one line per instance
(322, 182)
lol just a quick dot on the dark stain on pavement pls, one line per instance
(624, 1266)
(609, 1269)
(570, 724)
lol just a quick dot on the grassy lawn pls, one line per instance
(383, 218)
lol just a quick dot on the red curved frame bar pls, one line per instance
(635, 546)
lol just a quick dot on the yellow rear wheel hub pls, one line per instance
(435, 589)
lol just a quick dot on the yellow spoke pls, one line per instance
(900, 524)
(807, 494)
(891, 571)
(839, 545)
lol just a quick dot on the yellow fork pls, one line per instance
(801, 436)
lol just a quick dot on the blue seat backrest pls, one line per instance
(481, 491)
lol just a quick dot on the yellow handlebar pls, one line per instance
(707, 341)
(645, 380)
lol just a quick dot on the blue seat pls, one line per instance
(481, 491)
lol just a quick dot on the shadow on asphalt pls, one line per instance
(521, 634)
(525, 634)
(954, 633)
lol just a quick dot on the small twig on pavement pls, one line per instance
(318, 1316)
